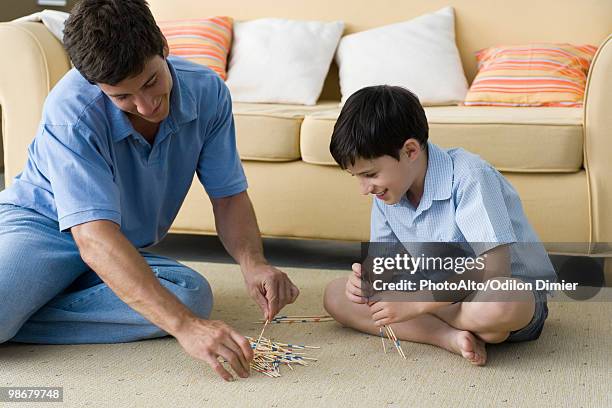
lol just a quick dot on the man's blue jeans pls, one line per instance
(49, 295)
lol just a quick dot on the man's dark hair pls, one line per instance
(376, 121)
(111, 40)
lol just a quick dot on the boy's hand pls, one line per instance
(384, 313)
(353, 285)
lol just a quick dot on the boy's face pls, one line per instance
(146, 95)
(387, 178)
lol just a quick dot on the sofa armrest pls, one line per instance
(598, 142)
(33, 61)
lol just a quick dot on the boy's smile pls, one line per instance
(389, 179)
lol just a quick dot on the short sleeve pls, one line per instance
(481, 211)
(219, 167)
(380, 230)
(81, 179)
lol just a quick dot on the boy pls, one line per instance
(121, 138)
(423, 193)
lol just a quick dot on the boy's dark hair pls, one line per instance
(376, 121)
(111, 40)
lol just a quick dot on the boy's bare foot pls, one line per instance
(468, 346)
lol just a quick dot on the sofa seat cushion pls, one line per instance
(511, 139)
(271, 132)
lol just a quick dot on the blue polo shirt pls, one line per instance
(465, 200)
(88, 163)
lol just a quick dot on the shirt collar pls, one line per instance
(183, 109)
(438, 178)
(120, 125)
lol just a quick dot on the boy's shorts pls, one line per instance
(534, 328)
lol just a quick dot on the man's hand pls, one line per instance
(108, 252)
(353, 285)
(238, 231)
(208, 340)
(384, 313)
(270, 288)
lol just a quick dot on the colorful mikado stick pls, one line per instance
(382, 339)
(396, 342)
(261, 334)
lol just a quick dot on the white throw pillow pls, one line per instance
(419, 54)
(54, 21)
(281, 61)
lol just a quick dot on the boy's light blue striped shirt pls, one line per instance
(465, 200)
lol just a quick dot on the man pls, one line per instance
(120, 140)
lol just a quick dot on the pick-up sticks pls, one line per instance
(391, 335)
(270, 355)
(299, 319)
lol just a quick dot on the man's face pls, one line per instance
(385, 177)
(146, 95)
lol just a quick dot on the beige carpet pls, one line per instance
(569, 366)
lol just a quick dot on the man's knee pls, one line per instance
(198, 296)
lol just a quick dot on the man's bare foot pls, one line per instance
(468, 346)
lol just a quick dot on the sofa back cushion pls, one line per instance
(276, 60)
(531, 75)
(205, 41)
(478, 24)
(419, 54)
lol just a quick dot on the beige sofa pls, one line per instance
(559, 159)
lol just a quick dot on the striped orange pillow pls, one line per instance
(531, 75)
(204, 41)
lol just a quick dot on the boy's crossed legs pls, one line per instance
(462, 328)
